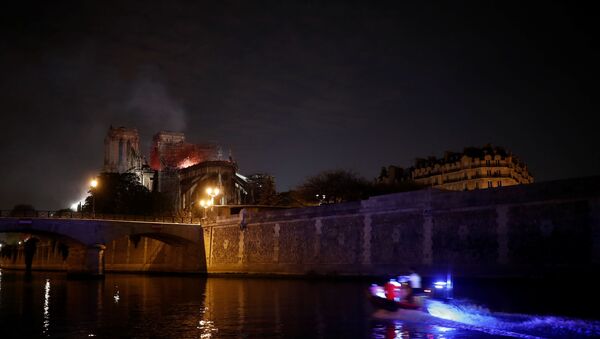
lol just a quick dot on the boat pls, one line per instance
(389, 300)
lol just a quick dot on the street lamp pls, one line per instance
(321, 198)
(93, 185)
(205, 204)
(212, 192)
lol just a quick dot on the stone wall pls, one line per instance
(533, 229)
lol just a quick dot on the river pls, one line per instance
(142, 306)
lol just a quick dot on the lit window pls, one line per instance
(490, 184)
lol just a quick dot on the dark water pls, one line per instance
(136, 306)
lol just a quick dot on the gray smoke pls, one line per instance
(154, 108)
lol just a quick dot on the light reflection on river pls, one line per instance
(136, 306)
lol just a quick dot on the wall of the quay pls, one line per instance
(532, 229)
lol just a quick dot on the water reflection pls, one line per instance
(207, 328)
(396, 329)
(286, 308)
(116, 295)
(196, 307)
(46, 325)
(192, 307)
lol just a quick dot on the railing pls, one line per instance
(227, 212)
(99, 216)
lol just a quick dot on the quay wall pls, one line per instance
(537, 229)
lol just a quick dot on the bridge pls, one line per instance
(87, 238)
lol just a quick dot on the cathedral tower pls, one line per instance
(122, 150)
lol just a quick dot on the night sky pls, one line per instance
(293, 88)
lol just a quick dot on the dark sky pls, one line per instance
(293, 88)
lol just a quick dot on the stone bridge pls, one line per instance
(87, 238)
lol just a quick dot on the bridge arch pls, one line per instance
(77, 256)
(88, 239)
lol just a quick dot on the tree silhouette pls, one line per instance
(122, 193)
(334, 187)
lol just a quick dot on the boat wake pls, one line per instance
(472, 317)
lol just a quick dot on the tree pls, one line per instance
(288, 199)
(333, 187)
(122, 193)
(341, 186)
(262, 189)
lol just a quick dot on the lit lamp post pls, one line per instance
(321, 198)
(205, 204)
(212, 192)
(93, 185)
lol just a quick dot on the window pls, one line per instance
(487, 162)
(490, 184)
(489, 172)
(499, 183)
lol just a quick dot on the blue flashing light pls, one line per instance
(443, 284)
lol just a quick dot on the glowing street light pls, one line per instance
(93, 185)
(206, 204)
(321, 198)
(213, 192)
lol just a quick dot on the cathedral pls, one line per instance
(179, 169)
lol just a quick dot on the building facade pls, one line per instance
(122, 154)
(474, 168)
(121, 150)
